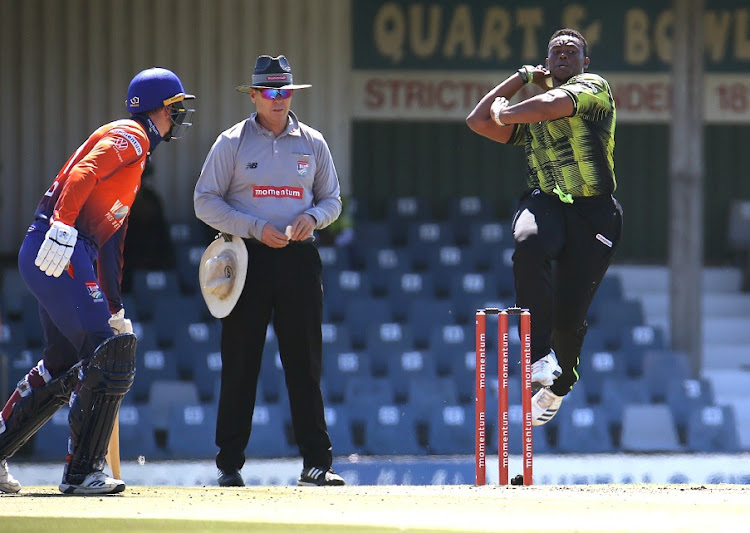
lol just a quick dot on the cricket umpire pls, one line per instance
(271, 180)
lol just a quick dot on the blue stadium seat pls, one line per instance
(635, 341)
(618, 393)
(384, 263)
(425, 394)
(341, 285)
(191, 430)
(369, 235)
(409, 285)
(137, 434)
(364, 393)
(461, 370)
(451, 430)
(661, 365)
(596, 366)
(334, 257)
(490, 234)
(448, 341)
(649, 428)
(402, 367)
(338, 420)
(712, 429)
(14, 293)
(192, 342)
(383, 340)
(363, 311)
(152, 285)
(338, 337)
(51, 441)
(165, 393)
(152, 364)
(627, 313)
(686, 395)
(392, 432)
(467, 287)
(583, 430)
(206, 370)
(446, 262)
(423, 313)
(339, 368)
(268, 437)
(463, 210)
(403, 209)
(32, 325)
(172, 313)
(188, 259)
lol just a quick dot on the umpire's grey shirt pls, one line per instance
(251, 178)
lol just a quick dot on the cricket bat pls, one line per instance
(113, 452)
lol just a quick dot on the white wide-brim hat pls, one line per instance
(222, 274)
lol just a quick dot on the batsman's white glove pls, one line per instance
(119, 323)
(54, 254)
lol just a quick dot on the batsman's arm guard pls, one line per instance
(34, 408)
(105, 382)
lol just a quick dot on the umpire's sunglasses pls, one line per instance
(272, 94)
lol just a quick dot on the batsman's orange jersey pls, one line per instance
(96, 187)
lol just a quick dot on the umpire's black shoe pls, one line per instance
(230, 478)
(319, 476)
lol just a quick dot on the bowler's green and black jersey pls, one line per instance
(573, 156)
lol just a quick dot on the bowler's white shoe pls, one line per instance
(97, 482)
(545, 371)
(8, 483)
(544, 406)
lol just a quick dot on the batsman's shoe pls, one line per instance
(315, 476)
(8, 483)
(544, 406)
(97, 482)
(545, 371)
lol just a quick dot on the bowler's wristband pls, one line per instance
(526, 73)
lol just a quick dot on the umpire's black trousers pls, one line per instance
(284, 285)
(562, 252)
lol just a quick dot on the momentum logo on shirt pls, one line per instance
(264, 191)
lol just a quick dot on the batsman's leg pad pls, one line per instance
(37, 397)
(105, 382)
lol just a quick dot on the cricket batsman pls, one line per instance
(71, 261)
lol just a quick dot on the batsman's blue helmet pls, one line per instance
(153, 88)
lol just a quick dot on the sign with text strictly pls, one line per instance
(434, 60)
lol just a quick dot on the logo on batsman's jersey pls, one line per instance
(118, 210)
(94, 291)
(302, 167)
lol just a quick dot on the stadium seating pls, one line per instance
(341, 285)
(649, 428)
(137, 436)
(51, 441)
(659, 365)
(190, 431)
(151, 365)
(392, 431)
(451, 430)
(595, 367)
(686, 395)
(338, 420)
(403, 367)
(385, 339)
(152, 285)
(360, 313)
(409, 285)
(422, 314)
(583, 430)
(635, 341)
(712, 428)
(339, 368)
(269, 436)
(165, 393)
